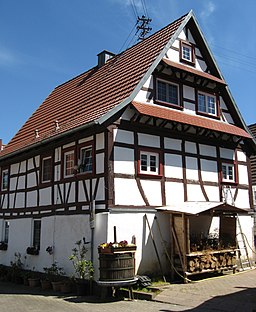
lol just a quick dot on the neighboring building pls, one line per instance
(153, 130)
(252, 128)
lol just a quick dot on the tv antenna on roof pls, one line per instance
(142, 26)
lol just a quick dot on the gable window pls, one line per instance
(37, 234)
(187, 53)
(69, 163)
(149, 163)
(86, 160)
(5, 180)
(206, 103)
(46, 169)
(168, 92)
(228, 172)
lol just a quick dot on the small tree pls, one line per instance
(83, 268)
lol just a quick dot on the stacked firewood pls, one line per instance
(216, 261)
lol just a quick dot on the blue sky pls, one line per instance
(44, 43)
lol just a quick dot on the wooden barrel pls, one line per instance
(117, 266)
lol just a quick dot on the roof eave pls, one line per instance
(47, 140)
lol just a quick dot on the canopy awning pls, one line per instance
(196, 208)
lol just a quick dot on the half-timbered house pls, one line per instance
(151, 134)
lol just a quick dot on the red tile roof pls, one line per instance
(184, 118)
(92, 94)
(194, 71)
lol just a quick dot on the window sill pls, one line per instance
(187, 62)
(167, 104)
(208, 115)
(150, 176)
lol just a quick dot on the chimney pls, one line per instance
(1, 145)
(103, 57)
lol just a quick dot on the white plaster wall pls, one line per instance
(145, 257)
(81, 193)
(209, 170)
(228, 118)
(242, 199)
(173, 166)
(14, 168)
(71, 198)
(21, 182)
(207, 150)
(31, 164)
(189, 108)
(141, 96)
(241, 156)
(190, 147)
(227, 153)
(57, 171)
(100, 141)
(32, 199)
(212, 192)
(5, 201)
(100, 163)
(31, 179)
(45, 196)
(222, 103)
(11, 200)
(13, 182)
(173, 55)
(247, 229)
(152, 190)
(172, 144)
(191, 168)
(127, 192)
(148, 140)
(243, 174)
(174, 193)
(57, 154)
(149, 83)
(123, 160)
(20, 200)
(100, 195)
(195, 193)
(123, 136)
(201, 65)
(23, 166)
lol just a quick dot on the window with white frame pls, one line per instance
(5, 180)
(187, 52)
(206, 103)
(86, 160)
(69, 163)
(168, 92)
(149, 163)
(6, 231)
(228, 172)
(37, 234)
(46, 169)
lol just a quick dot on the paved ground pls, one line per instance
(228, 293)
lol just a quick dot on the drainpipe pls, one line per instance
(92, 225)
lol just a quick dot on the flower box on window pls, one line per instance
(33, 251)
(3, 246)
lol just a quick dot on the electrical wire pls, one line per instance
(134, 9)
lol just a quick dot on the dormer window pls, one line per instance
(187, 53)
(168, 92)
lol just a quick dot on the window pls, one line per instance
(168, 92)
(6, 231)
(37, 234)
(228, 172)
(69, 162)
(5, 180)
(206, 103)
(47, 169)
(187, 52)
(85, 162)
(149, 163)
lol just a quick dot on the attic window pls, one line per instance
(187, 53)
(167, 92)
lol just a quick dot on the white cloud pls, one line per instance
(209, 9)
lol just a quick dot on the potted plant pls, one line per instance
(16, 269)
(33, 279)
(83, 268)
(54, 274)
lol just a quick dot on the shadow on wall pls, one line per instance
(154, 261)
